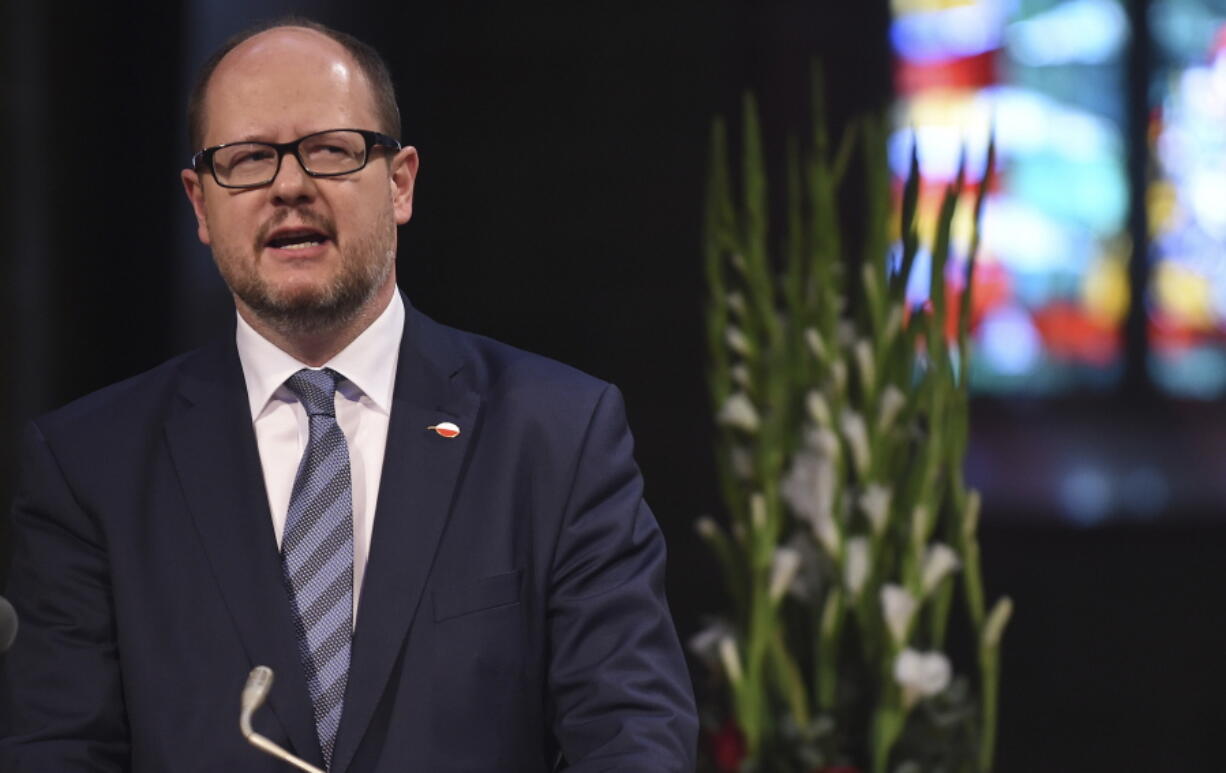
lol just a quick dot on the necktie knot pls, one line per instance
(316, 389)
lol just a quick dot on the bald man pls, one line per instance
(438, 543)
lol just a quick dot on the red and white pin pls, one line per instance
(445, 429)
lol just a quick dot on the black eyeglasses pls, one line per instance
(322, 154)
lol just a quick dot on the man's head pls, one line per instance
(302, 254)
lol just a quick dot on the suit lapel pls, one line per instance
(420, 472)
(213, 447)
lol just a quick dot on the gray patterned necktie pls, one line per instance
(317, 553)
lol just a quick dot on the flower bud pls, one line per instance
(856, 565)
(970, 516)
(738, 411)
(784, 566)
(731, 660)
(738, 342)
(864, 362)
(898, 607)
(706, 527)
(757, 510)
(875, 504)
(856, 435)
(891, 404)
(994, 628)
(816, 344)
(939, 562)
(819, 409)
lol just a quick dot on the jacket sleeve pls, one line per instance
(61, 699)
(619, 685)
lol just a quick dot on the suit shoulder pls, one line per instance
(500, 368)
(124, 402)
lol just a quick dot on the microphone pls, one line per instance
(8, 624)
(255, 692)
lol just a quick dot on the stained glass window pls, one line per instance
(1048, 77)
(1186, 302)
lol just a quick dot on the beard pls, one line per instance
(365, 263)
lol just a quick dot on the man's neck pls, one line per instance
(318, 347)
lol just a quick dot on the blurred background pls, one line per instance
(564, 151)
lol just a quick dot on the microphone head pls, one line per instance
(259, 682)
(8, 624)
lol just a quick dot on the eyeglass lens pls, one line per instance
(255, 163)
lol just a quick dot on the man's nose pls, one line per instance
(292, 184)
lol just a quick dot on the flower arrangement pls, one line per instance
(843, 416)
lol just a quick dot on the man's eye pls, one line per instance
(256, 156)
(330, 151)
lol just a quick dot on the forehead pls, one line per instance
(283, 83)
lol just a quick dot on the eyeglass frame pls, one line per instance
(373, 140)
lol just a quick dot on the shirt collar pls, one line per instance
(368, 362)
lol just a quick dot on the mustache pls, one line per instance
(307, 217)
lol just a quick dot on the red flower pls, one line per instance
(728, 748)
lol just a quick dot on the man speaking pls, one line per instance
(436, 542)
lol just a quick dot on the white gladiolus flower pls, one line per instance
(731, 660)
(898, 607)
(823, 441)
(875, 503)
(856, 565)
(864, 361)
(740, 375)
(816, 344)
(705, 644)
(784, 566)
(856, 435)
(809, 489)
(738, 411)
(736, 302)
(742, 462)
(737, 341)
(846, 333)
(838, 373)
(808, 582)
(757, 510)
(826, 531)
(819, 409)
(892, 402)
(939, 561)
(921, 674)
(706, 527)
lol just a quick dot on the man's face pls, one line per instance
(302, 254)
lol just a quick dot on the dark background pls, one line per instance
(563, 151)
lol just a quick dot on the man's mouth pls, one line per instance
(296, 239)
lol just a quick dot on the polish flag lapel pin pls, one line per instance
(445, 429)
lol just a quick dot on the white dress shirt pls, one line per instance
(363, 406)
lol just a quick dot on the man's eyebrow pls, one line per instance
(248, 137)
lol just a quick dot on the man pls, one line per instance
(437, 543)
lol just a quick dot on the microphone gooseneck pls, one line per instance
(8, 624)
(255, 692)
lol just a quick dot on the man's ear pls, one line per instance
(404, 175)
(194, 189)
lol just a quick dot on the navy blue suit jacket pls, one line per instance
(513, 604)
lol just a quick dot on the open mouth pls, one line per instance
(296, 239)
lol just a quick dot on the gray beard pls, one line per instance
(364, 270)
(333, 309)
